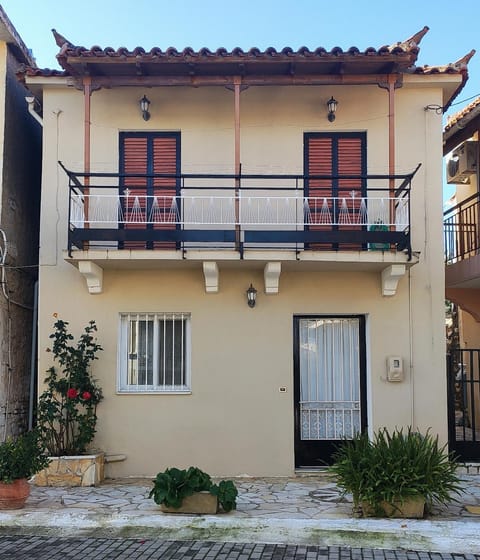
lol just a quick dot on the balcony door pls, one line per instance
(332, 204)
(150, 205)
(329, 385)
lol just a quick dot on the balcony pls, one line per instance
(461, 230)
(354, 222)
(462, 254)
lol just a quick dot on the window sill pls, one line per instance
(152, 392)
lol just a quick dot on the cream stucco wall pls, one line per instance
(235, 420)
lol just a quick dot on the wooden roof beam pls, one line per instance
(249, 80)
(339, 68)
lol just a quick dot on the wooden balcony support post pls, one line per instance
(237, 80)
(87, 93)
(391, 145)
(393, 82)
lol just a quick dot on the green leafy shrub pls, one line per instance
(394, 467)
(226, 493)
(22, 457)
(173, 485)
(67, 409)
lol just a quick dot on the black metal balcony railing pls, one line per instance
(191, 211)
(461, 230)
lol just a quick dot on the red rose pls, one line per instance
(72, 393)
(86, 395)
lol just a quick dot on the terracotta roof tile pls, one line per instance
(78, 61)
(45, 72)
(408, 47)
(465, 112)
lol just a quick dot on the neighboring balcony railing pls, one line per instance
(461, 230)
(232, 212)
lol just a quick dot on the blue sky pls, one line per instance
(453, 26)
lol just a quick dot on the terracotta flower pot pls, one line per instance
(13, 495)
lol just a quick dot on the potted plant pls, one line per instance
(20, 458)
(192, 491)
(396, 474)
(67, 410)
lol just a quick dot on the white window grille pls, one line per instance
(154, 353)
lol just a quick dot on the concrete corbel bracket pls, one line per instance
(93, 274)
(271, 276)
(210, 271)
(390, 278)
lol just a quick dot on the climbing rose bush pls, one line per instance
(67, 409)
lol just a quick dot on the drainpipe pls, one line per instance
(33, 357)
(31, 109)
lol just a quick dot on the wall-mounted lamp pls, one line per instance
(251, 296)
(144, 106)
(332, 108)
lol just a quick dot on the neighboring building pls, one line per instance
(461, 141)
(20, 173)
(237, 176)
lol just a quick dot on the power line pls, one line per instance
(463, 100)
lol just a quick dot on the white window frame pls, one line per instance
(123, 349)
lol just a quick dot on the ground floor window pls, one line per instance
(154, 352)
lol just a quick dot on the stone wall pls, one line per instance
(19, 219)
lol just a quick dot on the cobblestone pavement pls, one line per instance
(53, 548)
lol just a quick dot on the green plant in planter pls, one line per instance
(173, 485)
(67, 409)
(22, 457)
(393, 467)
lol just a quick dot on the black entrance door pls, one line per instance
(329, 385)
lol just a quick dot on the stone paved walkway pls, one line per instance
(314, 497)
(302, 510)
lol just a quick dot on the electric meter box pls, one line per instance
(395, 369)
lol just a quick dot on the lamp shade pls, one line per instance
(144, 107)
(251, 296)
(332, 108)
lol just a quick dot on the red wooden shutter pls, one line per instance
(135, 160)
(165, 188)
(149, 199)
(349, 156)
(320, 201)
(334, 200)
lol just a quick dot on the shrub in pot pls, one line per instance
(395, 469)
(67, 408)
(173, 488)
(20, 458)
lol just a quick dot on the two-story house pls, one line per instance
(258, 236)
(462, 276)
(20, 173)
